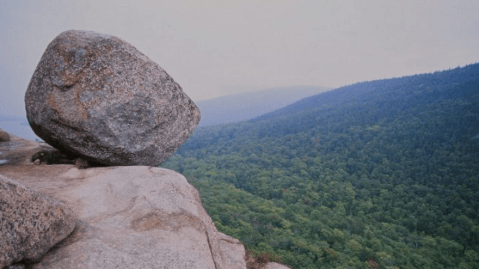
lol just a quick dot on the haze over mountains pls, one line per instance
(245, 106)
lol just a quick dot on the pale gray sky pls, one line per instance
(214, 48)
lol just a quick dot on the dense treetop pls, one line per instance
(380, 174)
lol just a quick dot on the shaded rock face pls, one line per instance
(4, 137)
(53, 156)
(98, 97)
(30, 223)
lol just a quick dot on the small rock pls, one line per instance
(98, 97)
(31, 223)
(4, 136)
(82, 163)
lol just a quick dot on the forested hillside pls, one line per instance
(381, 174)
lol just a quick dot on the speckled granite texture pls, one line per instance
(98, 97)
(30, 223)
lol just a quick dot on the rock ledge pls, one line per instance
(127, 217)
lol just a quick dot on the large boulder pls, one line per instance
(98, 97)
(30, 223)
(4, 137)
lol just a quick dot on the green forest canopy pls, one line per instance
(380, 174)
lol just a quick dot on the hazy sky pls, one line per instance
(214, 48)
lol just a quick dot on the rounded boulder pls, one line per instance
(98, 97)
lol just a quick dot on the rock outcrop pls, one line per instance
(98, 97)
(127, 217)
(30, 223)
(4, 137)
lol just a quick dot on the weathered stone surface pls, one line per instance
(127, 217)
(98, 97)
(232, 252)
(30, 223)
(133, 217)
(4, 137)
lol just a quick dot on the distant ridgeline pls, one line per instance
(245, 106)
(381, 174)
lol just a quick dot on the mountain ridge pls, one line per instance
(339, 92)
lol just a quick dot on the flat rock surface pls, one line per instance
(98, 97)
(128, 217)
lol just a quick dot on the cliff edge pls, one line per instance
(126, 217)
